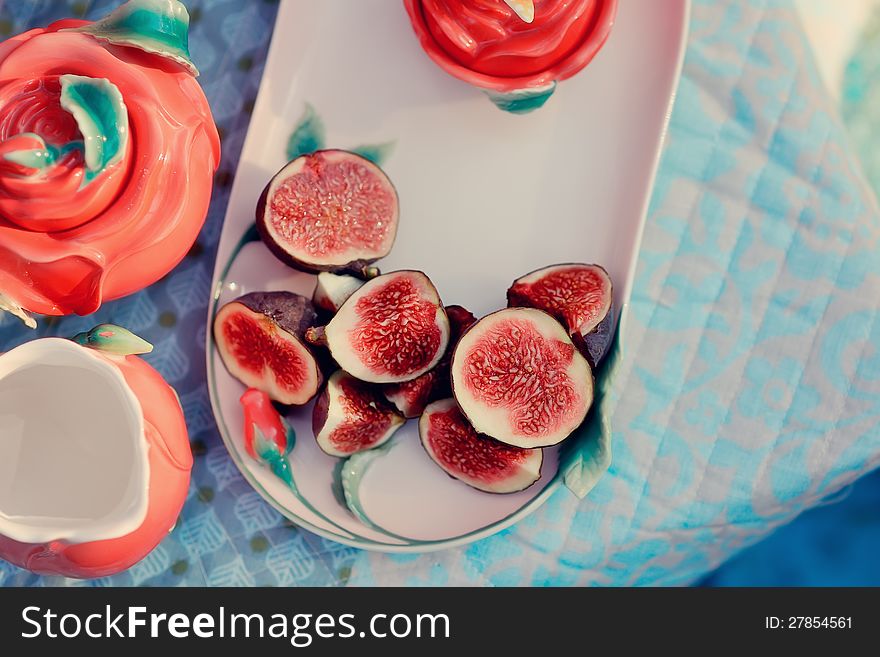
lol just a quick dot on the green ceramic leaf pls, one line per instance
(97, 106)
(375, 153)
(308, 136)
(113, 339)
(351, 475)
(336, 484)
(584, 466)
(584, 458)
(522, 102)
(353, 470)
(159, 27)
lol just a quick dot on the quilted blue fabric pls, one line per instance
(749, 385)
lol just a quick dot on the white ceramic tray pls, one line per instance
(485, 197)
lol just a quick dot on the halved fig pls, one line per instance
(350, 416)
(333, 290)
(260, 337)
(411, 397)
(479, 461)
(579, 296)
(518, 378)
(329, 210)
(394, 328)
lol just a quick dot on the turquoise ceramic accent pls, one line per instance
(522, 101)
(39, 158)
(160, 27)
(102, 118)
(113, 339)
(271, 456)
(351, 473)
(588, 458)
(308, 136)
(587, 455)
(375, 153)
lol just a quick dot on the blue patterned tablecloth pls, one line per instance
(747, 392)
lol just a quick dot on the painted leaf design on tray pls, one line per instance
(308, 136)
(375, 153)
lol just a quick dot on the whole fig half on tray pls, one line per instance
(479, 461)
(260, 338)
(518, 378)
(579, 296)
(351, 416)
(394, 328)
(329, 210)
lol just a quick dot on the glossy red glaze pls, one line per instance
(66, 248)
(485, 43)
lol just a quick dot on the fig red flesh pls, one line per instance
(518, 378)
(351, 416)
(392, 329)
(411, 397)
(479, 461)
(578, 295)
(260, 339)
(330, 210)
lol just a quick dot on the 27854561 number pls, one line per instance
(808, 623)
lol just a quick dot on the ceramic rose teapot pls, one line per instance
(107, 157)
(94, 455)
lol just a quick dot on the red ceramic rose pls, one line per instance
(107, 156)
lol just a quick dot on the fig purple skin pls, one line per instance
(292, 312)
(330, 210)
(260, 338)
(578, 295)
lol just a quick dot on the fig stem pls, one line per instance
(369, 272)
(316, 336)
